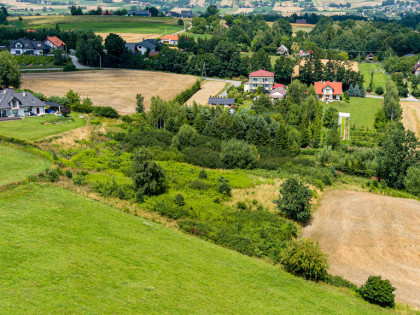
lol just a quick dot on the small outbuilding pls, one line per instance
(221, 101)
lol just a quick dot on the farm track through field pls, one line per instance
(367, 234)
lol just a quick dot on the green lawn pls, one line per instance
(362, 110)
(379, 76)
(16, 164)
(35, 128)
(64, 253)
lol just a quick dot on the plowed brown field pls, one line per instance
(366, 234)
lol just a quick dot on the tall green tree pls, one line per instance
(398, 151)
(9, 71)
(283, 69)
(139, 103)
(392, 107)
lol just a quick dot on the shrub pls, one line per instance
(79, 180)
(69, 174)
(147, 175)
(202, 156)
(412, 180)
(304, 258)
(52, 175)
(224, 188)
(86, 106)
(338, 281)
(199, 185)
(295, 200)
(379, 90)
(139, 196)
(170, 210)
(202, 174)
(105, 111)
(238, 154)
(179, 200)
(185, 137)
(69, 67)
(378, 291)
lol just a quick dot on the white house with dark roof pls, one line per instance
(14, 104)
(262, 78)
(24, 46)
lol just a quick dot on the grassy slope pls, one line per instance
(362, 110)
(379, 77)
(65, 253)
(17, 164)
(31, 128)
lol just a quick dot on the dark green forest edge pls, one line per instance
(180, 164)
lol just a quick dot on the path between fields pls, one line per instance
(367, 234)
(410, 98)
(77, 64)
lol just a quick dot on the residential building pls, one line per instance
(144, 46)
(370, 57)
(25, 46)
(55, 43)
(278, 93)
(282, 50)
(301, 21)
(416, 68)
(186, 14)
(262, 78)
(170, 39)
(328, 91)
(13, 104)
(221, 101)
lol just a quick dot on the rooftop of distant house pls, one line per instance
(170, 37)
(262, 73)
(337, 87)
(56, 41)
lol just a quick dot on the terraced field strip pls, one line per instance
(411, 116)
(208, 89)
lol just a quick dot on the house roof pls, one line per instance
(150, 43)
(261, 73)
(276, 85)
(138, 12)
(371, 55)
(7, 95)
(278, 92)
(153, 53)
(337, 87)
(131, 46)
(169, 37)
(29, 44)
(221, 101)
(300, 21)
(56, 41)
(416, 66)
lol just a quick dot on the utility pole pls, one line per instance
(100, 61)
(203, 72)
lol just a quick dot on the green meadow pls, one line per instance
(17, 164)
(35, 128)
(362, 110)
(124, 27)
(379, 76)
(64, 253)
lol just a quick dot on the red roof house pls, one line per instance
(328, 91)
(262, 73)
(262, 78)
(276, 85)
(170, 39)
(54, 42)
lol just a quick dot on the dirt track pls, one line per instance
(366, 234)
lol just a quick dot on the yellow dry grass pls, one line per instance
(131, 37)
(200, 3)
(244, 10)
(116, 88)
(358, 4)
(411, 116)
(264, 194)
(367, 234)
(208, 89)
(353, 65)
(226, 2)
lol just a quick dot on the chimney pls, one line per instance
(4, 91)
(24, 94)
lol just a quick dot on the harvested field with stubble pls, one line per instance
(116, 88)
(208, 89)
(411, 116)
(131, 37)
(367, 234)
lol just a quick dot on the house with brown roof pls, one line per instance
(370, 57)
(55, 43)
(169, 39)
(328, 91)
(278, 92)
(262, 78)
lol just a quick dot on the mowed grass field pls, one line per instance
(379, 76)
(35, 128)
(116, 88)
(18, 164)
(362, 110)
(64, 253)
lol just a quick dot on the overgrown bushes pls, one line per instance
(184, 96)
(105, 111)
(378, 291)
(304, 258)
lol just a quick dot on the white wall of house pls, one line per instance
(170, 42)
(21, 51)
(22, 112)
(266, 82)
